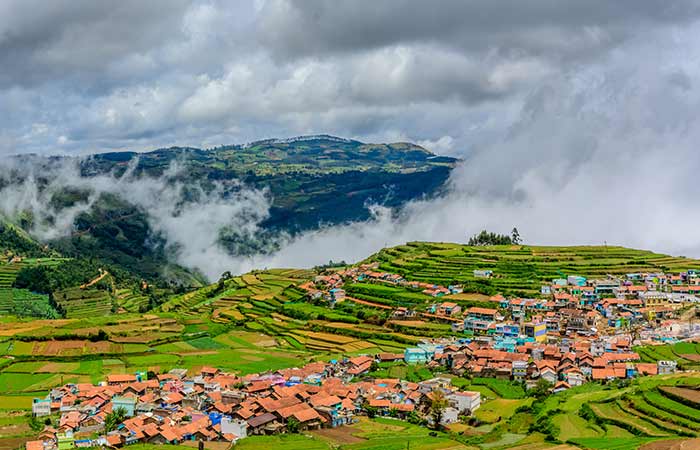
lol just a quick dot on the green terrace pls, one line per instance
(518, 269)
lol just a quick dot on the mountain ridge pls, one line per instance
(309, 181)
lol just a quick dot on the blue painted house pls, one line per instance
(128, 403)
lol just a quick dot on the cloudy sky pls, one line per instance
(577, 120)
(87, 76)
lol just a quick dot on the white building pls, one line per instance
(41, 407)
(465, 401)
(239, 428)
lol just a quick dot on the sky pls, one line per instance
(577, 120)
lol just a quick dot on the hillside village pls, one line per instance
(578, 331)
(171, 408)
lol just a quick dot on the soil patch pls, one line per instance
(339, 435)
(673, 444)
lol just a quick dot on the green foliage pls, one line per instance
(35, 423)
(438, 403)
(504, 388)
(490, 238)
(15, 241)
(293, 425)
(113, 419)
(541, 389)
(49, 279)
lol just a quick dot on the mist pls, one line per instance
(189, 222)
(603, 154)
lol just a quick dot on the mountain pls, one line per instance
(308, 181)
(308, 177)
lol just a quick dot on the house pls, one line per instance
(465, 402)
(574, 377)
(113, 380)
(359, 365)
(519, 370)
(482, 313)
(336, 295)
(536, 330)
(266, 423)
(65, 441)
(560, 386)
(483, 273)
(403, 313)
(448, 309)
(548, 374)
(41, 407)
(666, 367)
(416, 355)
(126, 403)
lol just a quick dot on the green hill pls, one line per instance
(518, 269)
(311, 181)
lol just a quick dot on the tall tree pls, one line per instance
(438, 404)
(515, 236)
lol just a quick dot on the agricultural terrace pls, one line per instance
(518, 270)
(21, 301)
(686, 354)
(272, 303)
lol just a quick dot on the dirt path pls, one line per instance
(103, 273)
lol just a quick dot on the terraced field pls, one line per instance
(20, 302)
(685, 353)
(520, 269)
(84, 302)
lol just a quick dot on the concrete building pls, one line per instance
(41, 407)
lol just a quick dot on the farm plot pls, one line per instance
(612, 412)
(517, 269)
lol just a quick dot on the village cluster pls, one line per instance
(578, 331)
(172, 408)
(571, 306)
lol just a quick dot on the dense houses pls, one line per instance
(563, 365)
(577, 330)
(566, 307)
(173, 407)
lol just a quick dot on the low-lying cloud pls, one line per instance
(189, 218)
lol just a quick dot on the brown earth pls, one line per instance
(13, 443)
(689, 394)
(339, 435)
(673, 444)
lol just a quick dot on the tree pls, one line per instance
(489, 238)
(515, 236)
(293, 425)
(438, 404)
(113, 419)
(35, 424)
(541, 389)
(370, 410)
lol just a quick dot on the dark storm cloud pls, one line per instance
(293, 28)
(81, 76)
(83, 41)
